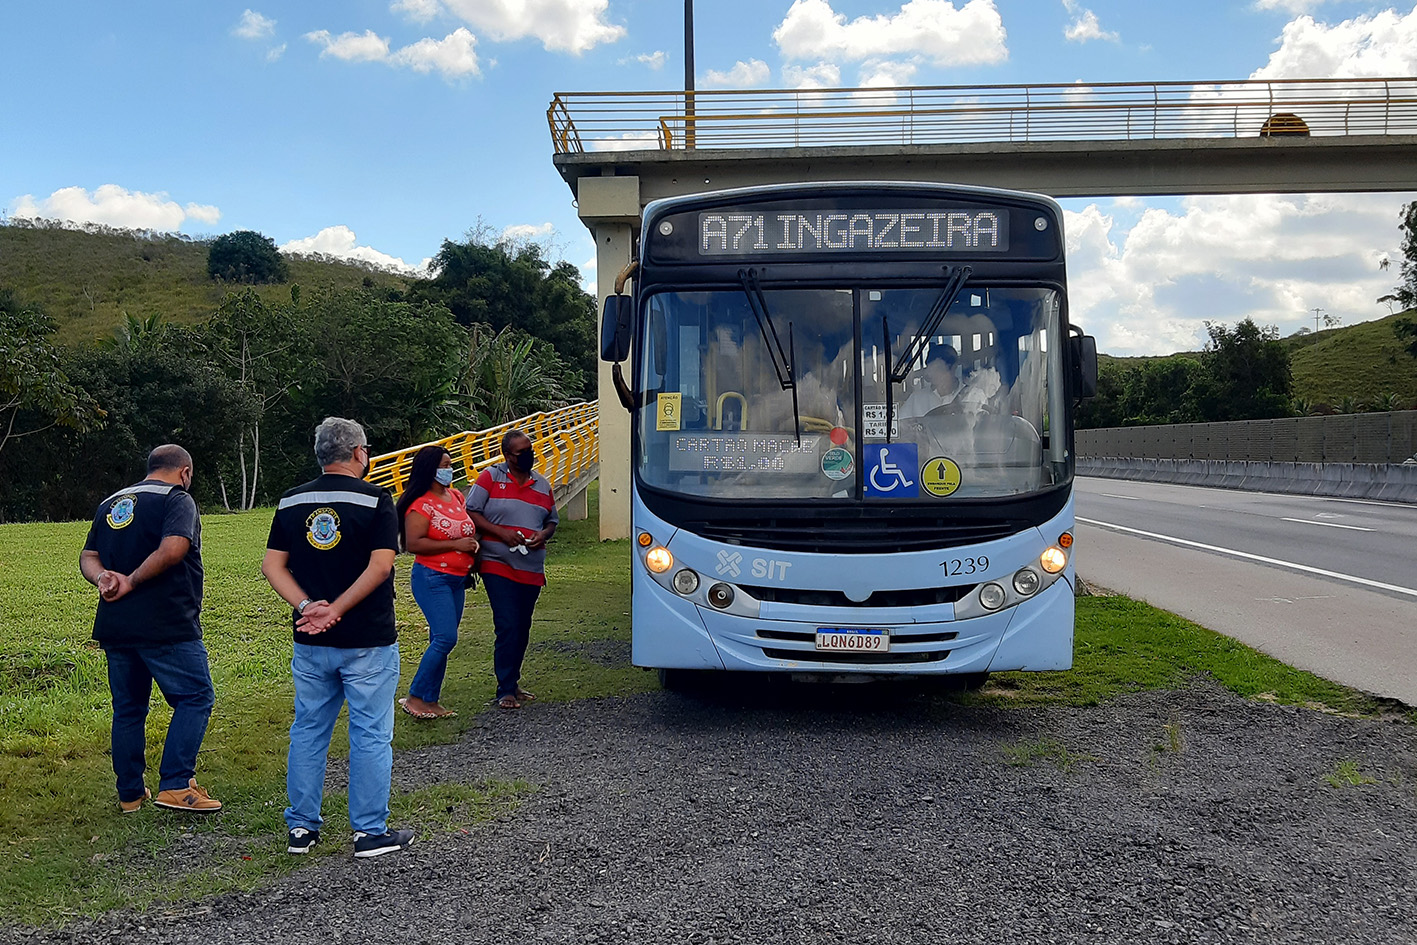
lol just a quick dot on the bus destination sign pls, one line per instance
(962, 230)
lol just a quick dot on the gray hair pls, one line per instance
(168, 456)
(336, 439)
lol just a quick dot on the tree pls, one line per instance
(1406, 330)
(35, 392)
(1246, 374)
(263, 351)
(246, 256)
(509, 374)
(1407, 292)
(505, 284)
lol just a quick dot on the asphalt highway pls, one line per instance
(1328, 585)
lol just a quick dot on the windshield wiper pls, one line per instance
(783, 362)
(922, 337)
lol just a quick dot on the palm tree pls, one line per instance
(509, 374)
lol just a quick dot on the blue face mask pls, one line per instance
(444, 476)
(525, 460)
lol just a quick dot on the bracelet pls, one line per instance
(300, 607)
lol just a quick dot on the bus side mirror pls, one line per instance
(615, 325)
(1084, 365)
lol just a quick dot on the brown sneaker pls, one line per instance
(191, 798)
(131, 807)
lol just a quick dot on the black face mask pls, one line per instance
(525, 460)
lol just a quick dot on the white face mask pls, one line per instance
(444, 476)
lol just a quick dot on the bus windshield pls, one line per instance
(969, 404)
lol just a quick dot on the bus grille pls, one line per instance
(893, 657)
(852, 536)
(912, 597)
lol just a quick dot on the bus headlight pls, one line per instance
(659, 560)
(1026, 581)
(992, 596)
(720, 595)
(1054, 560)
(686, 582)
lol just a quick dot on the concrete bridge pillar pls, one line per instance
(610, 207)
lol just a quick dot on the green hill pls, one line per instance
(87, 280)
(1361, 361)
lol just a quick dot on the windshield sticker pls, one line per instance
(890, 467)
(667, 413)
(836, 463)
(874, 417)
(939, 476)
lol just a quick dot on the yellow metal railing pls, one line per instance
(567, 443)
(786, 118)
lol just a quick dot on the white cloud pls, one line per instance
(203, 212)
(654, 60)
(351, 47)
(419, 11)
(629, 141)
(254, 26)
(526, 232)
(970, 35)
(341, 243)
(887, 74)
(1273, 258)
(116, 206)
(1384, 44)
(1288, 6)
(744, 75)
(572, 26)
(1085, 27)
(824, 75)
(275, 52)
(453, 56)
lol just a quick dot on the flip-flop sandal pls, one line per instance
(421, 716)
(524, 696)
(508, 702)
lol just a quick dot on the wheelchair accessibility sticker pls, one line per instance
(891, 470)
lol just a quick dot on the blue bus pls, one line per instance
(851, 430)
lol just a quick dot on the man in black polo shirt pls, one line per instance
(331, 557)
(144, 554)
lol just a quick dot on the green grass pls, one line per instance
(1347, 774)
(87, 282)
(1360, 361)
(1027, 754)
(64, 848)
(65, 851)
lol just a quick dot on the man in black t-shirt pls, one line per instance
(144, 554)
(331, 557)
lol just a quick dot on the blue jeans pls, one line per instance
(326, 677)
(441, 597)
(512, 605)
(181, 673)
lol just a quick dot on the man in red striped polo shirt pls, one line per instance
(515, 513)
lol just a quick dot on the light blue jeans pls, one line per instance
(441, 597)
(327, 677)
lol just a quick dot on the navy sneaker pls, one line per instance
(302, 840)
(390, 841)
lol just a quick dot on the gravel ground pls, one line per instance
(857, 814)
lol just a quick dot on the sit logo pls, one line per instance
(729, 565)
(323, 529)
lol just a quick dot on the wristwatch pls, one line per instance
(300, 607)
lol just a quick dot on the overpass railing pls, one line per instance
(567, 443)
(959, 114)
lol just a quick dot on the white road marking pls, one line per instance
(1249, 557)
(1113, 495)
(1308, 521)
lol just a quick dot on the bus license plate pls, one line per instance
(853, 640)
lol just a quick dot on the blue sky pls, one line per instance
(377, 128)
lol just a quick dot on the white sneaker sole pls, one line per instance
(379, 851)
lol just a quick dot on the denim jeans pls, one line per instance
(512, 605)
(181, 673)
(441, 597)
(327, 677)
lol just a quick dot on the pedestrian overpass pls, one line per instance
(619, 150)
